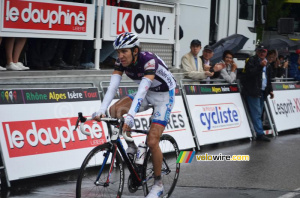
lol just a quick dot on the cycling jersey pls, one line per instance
(149, 64)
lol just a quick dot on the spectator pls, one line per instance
(229, 70)
(257, 86)
(297, 77)
(41, 53)
(279, 67)
(68, 52)
(192, 63)
(87, 54)
(1, 68)
(207, 54)
(13, 48)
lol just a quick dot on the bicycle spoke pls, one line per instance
(90, 168)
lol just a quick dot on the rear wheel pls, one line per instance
(87, 183)
(170, 169)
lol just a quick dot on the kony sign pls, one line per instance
(158, 26)
(40, 18)
(37, 130)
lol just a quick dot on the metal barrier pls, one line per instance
(178, 124)
(282, 79)
(3, 173)
(33, 85)
(287, 100)
(47, 83)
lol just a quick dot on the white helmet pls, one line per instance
(126, 40)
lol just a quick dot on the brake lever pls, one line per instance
(81, 119)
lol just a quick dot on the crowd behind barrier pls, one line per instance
(53, 54)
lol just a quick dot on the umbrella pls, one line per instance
(234, 43)
(280, 43)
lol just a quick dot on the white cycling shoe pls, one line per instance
(156, 191)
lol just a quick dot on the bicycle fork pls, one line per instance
(106, 156)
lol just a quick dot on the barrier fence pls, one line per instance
(285, 107)
(36, 128)
(216, 111)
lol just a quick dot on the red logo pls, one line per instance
(21, 14)
(124, 20)
(34, 137)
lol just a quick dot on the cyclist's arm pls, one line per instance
(111, 91)
(138, 99)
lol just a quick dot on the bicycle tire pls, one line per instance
(86, 187)
(170, 151)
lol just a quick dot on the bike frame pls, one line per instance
(131, 166)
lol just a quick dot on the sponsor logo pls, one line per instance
(20, 14)
(9, 96)
(286, 108)
(34, 137)
(150, 65)
(127, 21)
(165, 75)
(139, 103)
(157, 114)
(219, 117)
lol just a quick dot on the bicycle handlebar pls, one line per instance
(83, 120)
(82, 127)
(129, 139)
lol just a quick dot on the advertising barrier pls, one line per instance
(285, 106)
(37, 134)
(47, 19)
(217, 112)
(178, 125)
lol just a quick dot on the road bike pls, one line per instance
(102, 171)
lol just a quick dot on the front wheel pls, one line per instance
(95, 179)
(170, 169)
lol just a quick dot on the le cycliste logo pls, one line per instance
(214, 117)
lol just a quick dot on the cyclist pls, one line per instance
(156, 87)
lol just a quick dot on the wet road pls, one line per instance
(273, 171)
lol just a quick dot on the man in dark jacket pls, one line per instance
(256, 87)
(208, 53)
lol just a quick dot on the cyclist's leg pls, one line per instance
(153, 143)
(163, 103)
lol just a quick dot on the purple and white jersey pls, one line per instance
(149, 64)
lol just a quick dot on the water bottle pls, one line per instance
(141, 152)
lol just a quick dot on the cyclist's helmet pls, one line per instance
(126, 40)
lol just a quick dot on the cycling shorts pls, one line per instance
(162, 102)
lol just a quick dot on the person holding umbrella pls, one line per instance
(257, 86)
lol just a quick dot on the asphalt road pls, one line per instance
(273, 171)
